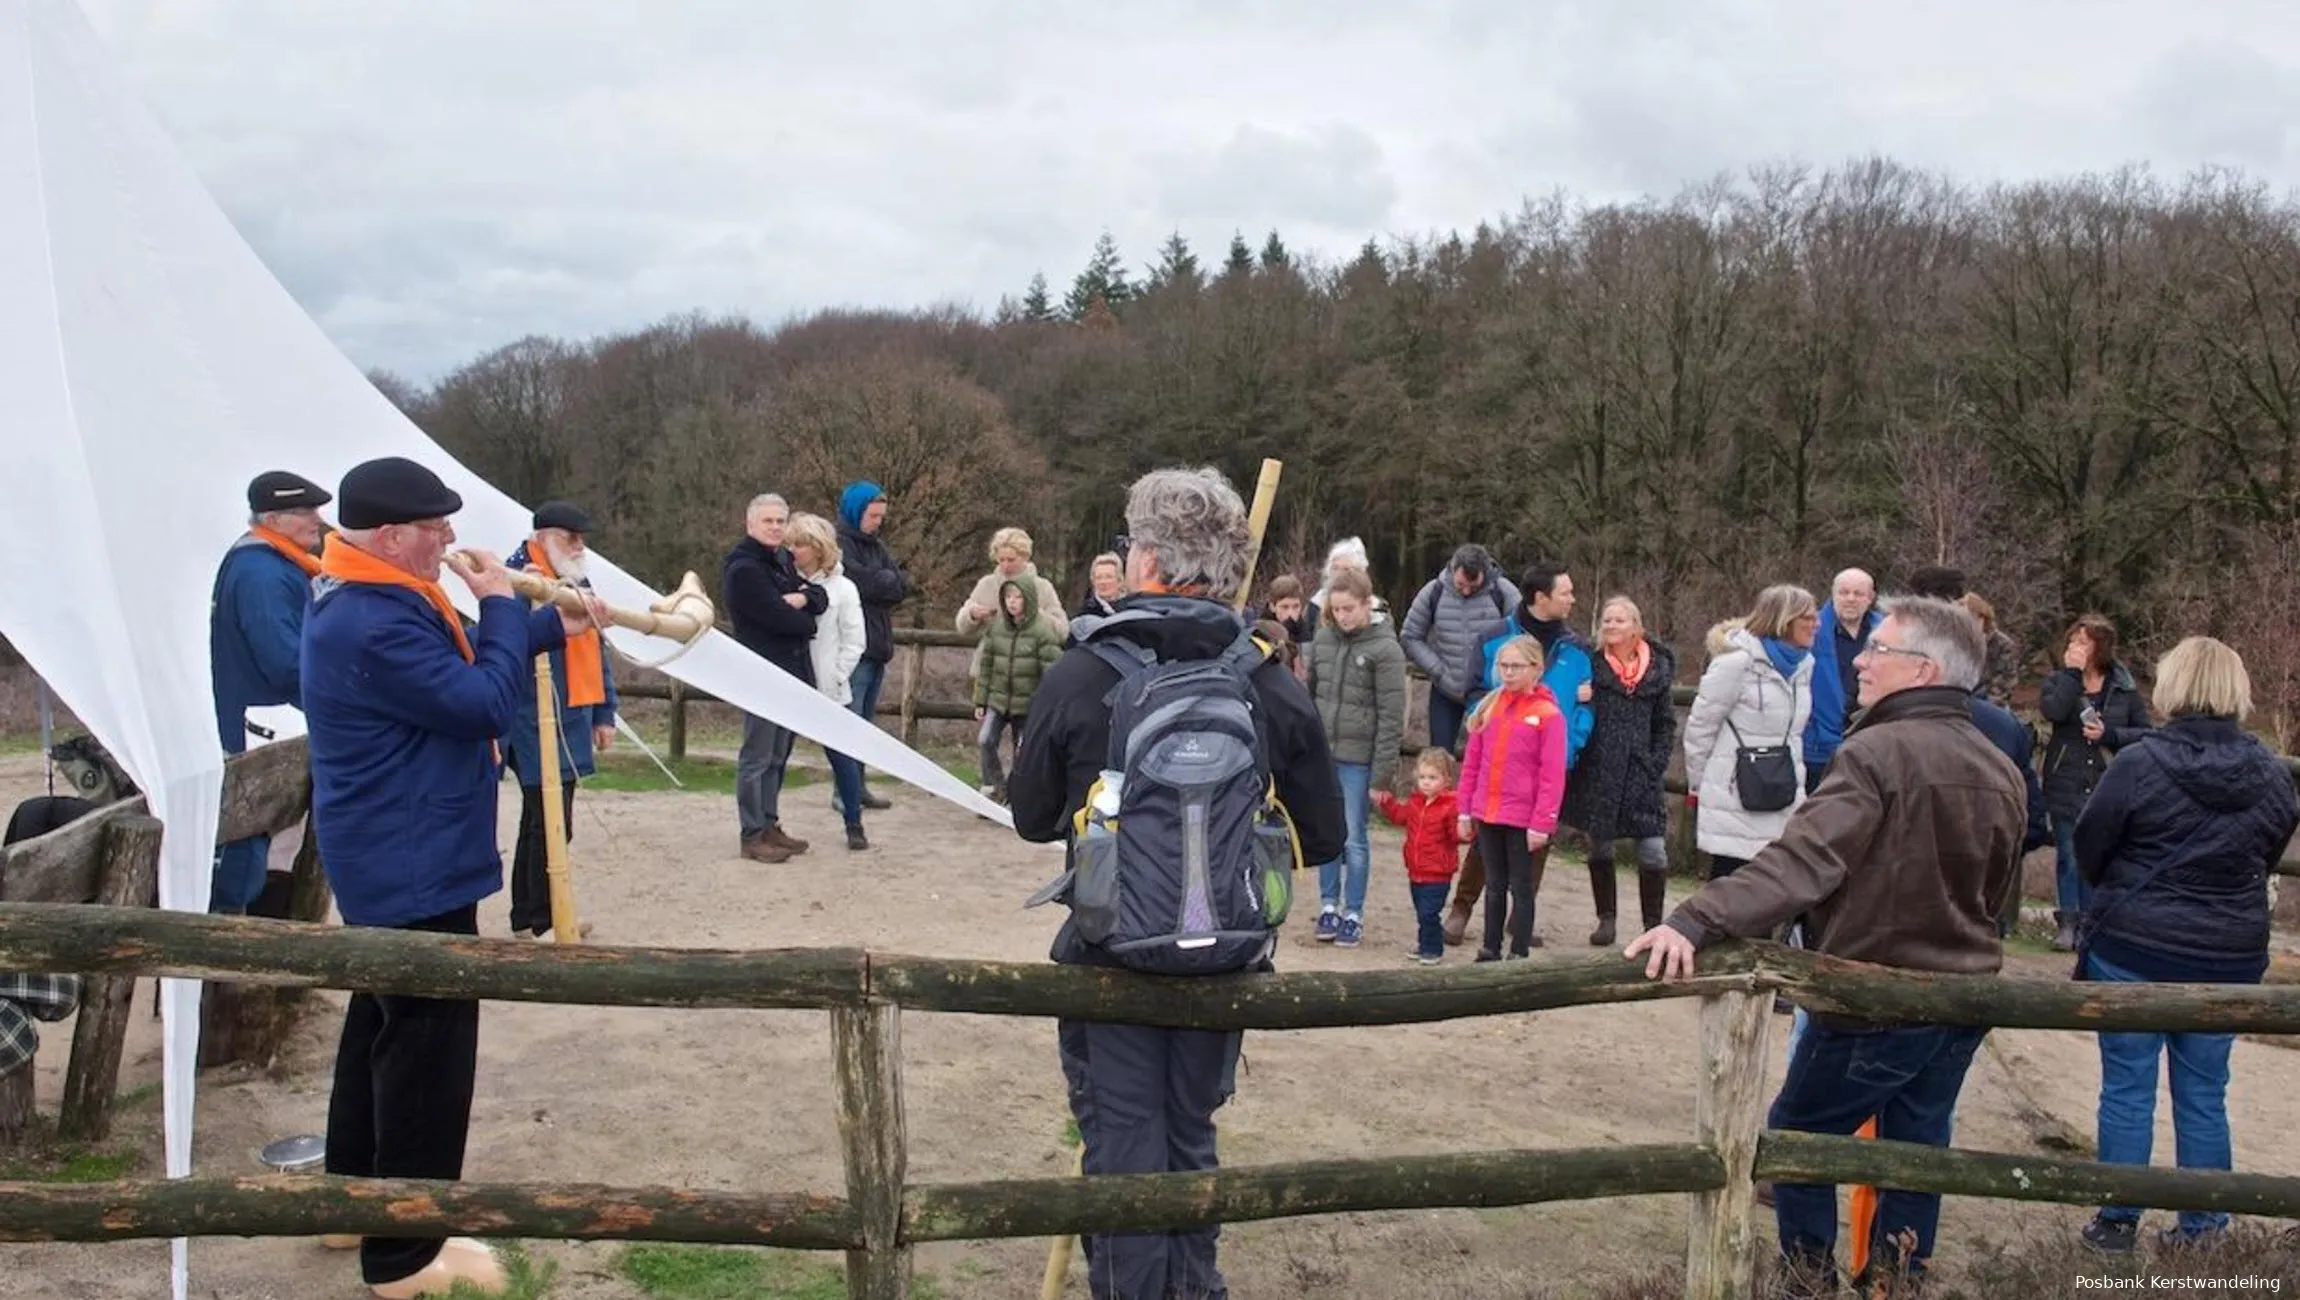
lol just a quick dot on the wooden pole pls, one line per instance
(564, 927)
(913, 672)
(92, 1079)
(17, 1100)
(866, 1044)
(1822, 1158)
(1721, 1240)
(1258, 523)
(678, 720)
(1058, 1255)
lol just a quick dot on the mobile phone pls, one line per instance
(2090, 717)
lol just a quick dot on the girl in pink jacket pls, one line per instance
(1512, 781)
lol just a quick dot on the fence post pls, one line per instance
(131, 878)
(678, 720)
(913, 668)
(866, 1042)
(1721, 1245)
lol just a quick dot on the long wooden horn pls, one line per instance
(682, 616)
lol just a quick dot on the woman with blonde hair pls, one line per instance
(1512, 784)
(837, 647)
(2178, 841)
(1615, 791)
(1742, 755)
(1010, 557)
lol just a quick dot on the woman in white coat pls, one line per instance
(1743, 745)
(836, 648)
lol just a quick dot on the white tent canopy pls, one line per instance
(149, 367)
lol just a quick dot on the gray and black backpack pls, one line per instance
(1182, 859)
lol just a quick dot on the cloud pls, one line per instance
(434, 180)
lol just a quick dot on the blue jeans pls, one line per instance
(2128, 1101)
(2070, 892)
(863, 685)
(1445, 720)
(1342, 882)
(1909, 1079)
(239, 875)
(1429, 913)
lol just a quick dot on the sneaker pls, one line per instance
(2112, 1236)
(1353, 930)
(855, 840)
(1430, 958)
(1329, 926)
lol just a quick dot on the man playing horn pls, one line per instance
(584, 681)
(403, 707)
(255, 633)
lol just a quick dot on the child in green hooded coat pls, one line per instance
(1015, 651)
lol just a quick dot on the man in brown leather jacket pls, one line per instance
(1902, 857)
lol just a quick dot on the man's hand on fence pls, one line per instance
(1671, 953)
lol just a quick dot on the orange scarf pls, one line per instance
(1631, 670)
(347, 563)
(286, 546)
(586, 667)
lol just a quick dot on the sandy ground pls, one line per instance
(744, 1099)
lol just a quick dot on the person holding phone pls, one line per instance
(2095, 710)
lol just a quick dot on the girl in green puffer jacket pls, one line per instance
(1358, 679)
(1015, 651)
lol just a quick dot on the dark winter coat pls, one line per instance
(1014, 654)
(2178, 842)
(871, 568)
(2072, 764)
(1615, 791)
(753, 581)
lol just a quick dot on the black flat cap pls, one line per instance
(562, 514)
(277, 489)
(393, 490)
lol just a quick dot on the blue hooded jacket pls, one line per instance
(1825, 729)
(1567, 671)
(403, 774)
(872, 569)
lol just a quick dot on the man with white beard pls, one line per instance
(585, 683)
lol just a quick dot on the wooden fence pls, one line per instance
(881, 1215)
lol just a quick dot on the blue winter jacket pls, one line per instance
(403, 773)
(2014, 739)
(255, 635)
(1825, 727)
(521, 748)
(2178, 841)
(1565, 674)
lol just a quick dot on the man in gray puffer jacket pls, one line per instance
(1441, 630)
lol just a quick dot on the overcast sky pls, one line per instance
(433, 178)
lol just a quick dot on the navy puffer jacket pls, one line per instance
(2178, 842)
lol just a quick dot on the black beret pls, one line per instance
(562, 514)
(393, 490)
(276, 489)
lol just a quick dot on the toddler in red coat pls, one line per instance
(1433, 845)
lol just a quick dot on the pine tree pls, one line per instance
(1104, 278)
(1241, 261)
(1274, 256)
(1037, 308)
(1177, 267)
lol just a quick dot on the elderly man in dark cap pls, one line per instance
(404, 707)
(584, 681)
(255, 632)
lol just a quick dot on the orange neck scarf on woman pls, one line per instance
(586, 667)
(287, 546)
(347, 563)
(1631, 670)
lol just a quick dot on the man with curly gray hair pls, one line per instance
(1145, 1097)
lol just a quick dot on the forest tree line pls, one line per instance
(2084, 392)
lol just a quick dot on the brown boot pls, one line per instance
(782, 839)
(764, 850)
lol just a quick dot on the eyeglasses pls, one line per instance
(1513, 668)
(439, 527)
(1873, 646)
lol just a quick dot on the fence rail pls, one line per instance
(882, 1216)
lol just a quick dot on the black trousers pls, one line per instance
(530, 873)
(1512, 876)
(404, 1074)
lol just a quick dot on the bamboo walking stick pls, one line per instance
(1258, 520)
(564, 926)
